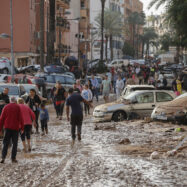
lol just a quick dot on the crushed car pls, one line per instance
(138, 103)
(174, 111)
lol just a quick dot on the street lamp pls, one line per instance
(5, 36)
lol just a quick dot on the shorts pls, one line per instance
(106, 93)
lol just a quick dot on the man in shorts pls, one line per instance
(106, 88)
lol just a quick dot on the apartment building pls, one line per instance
(24, 24)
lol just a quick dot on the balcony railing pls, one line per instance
(62, 23)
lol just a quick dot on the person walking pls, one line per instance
(95, 87)
(60, 97)
(106, 88)
(4, 98)
(179, 86)
(12, 120)
(33, 101)
(28, 119)
(44, 118)
(87, 95)
(74, 101)
(119, 86)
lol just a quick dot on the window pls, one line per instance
(145, 98)
(163, 97)
(69, 80)
(61, 79)
(13, 90)
(50, 79)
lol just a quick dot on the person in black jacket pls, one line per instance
(33, 101)
(4, 98)
(60, 97)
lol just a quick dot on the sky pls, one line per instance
(152, 10)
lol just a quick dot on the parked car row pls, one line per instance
(136, 103)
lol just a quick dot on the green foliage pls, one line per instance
(165, 41)
(128, 49)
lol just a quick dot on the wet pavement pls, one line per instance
(111, 155)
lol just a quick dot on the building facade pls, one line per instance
(24, 30)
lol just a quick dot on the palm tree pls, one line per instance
(112, 27)
(102, 27)
(158, 3)
(148, 38)
(136, 20)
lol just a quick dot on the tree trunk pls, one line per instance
(42, 35)
(142, 48)
(102, 28)
(111, 48)
(52, 26)
(106, 48)
(137, 49)
(133, 37)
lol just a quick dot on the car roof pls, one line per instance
(8, 84)
(140, 86)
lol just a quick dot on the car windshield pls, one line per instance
(69, 80)
(61, 79)
(13, 90)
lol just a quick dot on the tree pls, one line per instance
(102, 27)
(148, 38)
(165, 41)
(136, 20)
(176, 16)
(128, 49)
(112, 27)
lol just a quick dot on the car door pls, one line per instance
(144, 104)
(162, 97)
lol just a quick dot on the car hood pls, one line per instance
(173, 106)
(109, 106)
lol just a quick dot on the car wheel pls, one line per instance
(5, 71)
(119, 116)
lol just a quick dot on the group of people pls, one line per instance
(17, 117)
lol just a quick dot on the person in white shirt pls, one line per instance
(119, 86)
(87, 95)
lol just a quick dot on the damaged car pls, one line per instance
(138, 103)
(174, 111)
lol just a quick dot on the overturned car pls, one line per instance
(174, 111)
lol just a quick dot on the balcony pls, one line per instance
(64, 3)
(63, 23)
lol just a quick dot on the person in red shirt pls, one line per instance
(12, 120)
(28, 118)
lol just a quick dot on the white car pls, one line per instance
(131, 88)
(118, 63)
(138, 103)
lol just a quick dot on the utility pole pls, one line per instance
(12, 46)
(42, 35)
(102, 28)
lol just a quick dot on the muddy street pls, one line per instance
(111, 154)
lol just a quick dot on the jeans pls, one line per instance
(86, 108)
(43, 124)
(76, 121)
(95, 93)
(27, 132)
(8, 136)
(60, 109)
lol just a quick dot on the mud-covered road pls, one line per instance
(111, 155)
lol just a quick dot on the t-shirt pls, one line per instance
(60, 95)
(106, 85)
(87, 94)
(75, 102)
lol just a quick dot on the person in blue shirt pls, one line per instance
(95, 87)
(44, 118)
(74, 101)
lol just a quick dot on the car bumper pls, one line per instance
(98, 117)
(161, 117)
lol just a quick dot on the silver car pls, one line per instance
(140, 103)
